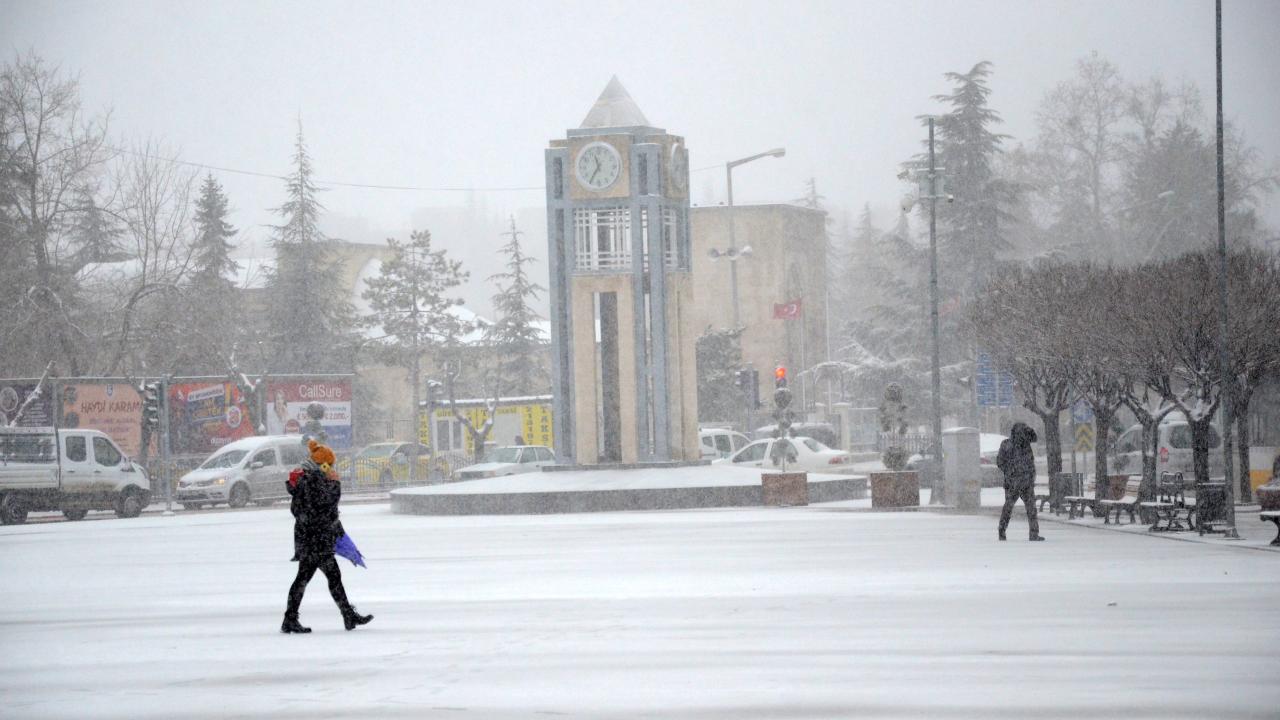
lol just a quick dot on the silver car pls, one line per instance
(512, 460)
(248, 470)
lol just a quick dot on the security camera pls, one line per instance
(951, 198)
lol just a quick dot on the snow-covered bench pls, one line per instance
(1128, 503)
(1272, 516)
(1171, 504)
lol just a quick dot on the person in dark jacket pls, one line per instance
(295, 507)
(1018, 464)
(317, 529)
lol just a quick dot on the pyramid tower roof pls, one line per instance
(614, 108)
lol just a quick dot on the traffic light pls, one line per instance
(753, 388)
(152, 401)
(740, 379)
(781, 400)
(780, 377)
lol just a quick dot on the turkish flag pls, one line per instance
(786, 311)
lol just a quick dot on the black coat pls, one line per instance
(1015, 459)
(315, 505)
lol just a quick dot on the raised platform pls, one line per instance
(611, 490)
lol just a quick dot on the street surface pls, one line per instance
(817, 612)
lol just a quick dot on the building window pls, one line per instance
(668, 237)
(602, 239)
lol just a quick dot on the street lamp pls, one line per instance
(931, 190)
(733, 253)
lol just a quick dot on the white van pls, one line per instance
(252, 469)
(716, 443)
(1174, 453)
(74, 471)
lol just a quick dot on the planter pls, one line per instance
(785, 489)
(895, 489)
(1268, 496)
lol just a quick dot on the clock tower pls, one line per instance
(623, 371)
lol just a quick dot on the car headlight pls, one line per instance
(220, 481)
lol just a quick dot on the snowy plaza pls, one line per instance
(825, 611)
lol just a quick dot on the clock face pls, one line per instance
(679, 167)
(598, 166)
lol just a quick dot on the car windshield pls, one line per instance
(813, 445)
(377, 451)
(224, 459)
(505, 455)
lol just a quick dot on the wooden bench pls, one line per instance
(1171, 505)
(1128, 503)
(1272, 516)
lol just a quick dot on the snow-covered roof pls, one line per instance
(614, 108)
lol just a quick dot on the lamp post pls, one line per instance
(733, 252)
(1224, 351)
(931, 190)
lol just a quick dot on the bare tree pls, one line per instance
(50, 152)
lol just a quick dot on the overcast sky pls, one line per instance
(467, 94)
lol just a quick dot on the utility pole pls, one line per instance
(415, 366)
(166, 472)
(1224, 352)
(938, 494)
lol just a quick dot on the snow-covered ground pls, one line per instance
(816, 612)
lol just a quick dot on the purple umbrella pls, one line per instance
(346, 547)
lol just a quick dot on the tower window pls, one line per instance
(602, 239)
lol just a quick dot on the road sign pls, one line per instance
(993, 387)
(1084, 438)
(1082, 412)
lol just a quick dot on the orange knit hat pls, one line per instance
(321, 454)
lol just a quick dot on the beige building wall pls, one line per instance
(788, 261)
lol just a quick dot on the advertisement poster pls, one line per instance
(204, 416)
(14, 393)
(287, 402)
(115, 408)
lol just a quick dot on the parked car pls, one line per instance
(512, 460)
(808, 454)
(385, 463)
(74, 471)
(1173, 453)
(824, 433)
(252, 469)
(717, 443)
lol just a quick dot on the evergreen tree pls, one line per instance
(719, 356)
(309, 316)
(514, 337)
(95, 235)
(214, 307)
(411, 299)
(970, 236)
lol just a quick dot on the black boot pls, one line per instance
(1036, 538)
(1002, 537)
(291, 625)
(351, 618)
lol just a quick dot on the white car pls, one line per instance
(716, 443)
(808, 455)
(1174, 453)
(250, 469)
(512, 460)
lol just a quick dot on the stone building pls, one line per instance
(787, 263)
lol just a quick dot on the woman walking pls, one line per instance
(1018, 464)
(318, 529)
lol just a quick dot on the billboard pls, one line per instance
(205, 415)
(13, 393)
(287, 401)
(112, 406)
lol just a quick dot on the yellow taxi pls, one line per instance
(385, 463)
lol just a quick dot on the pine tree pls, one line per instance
(94, 232)
(969, 228)
(309, 316)
(214, 308)
(411, 304)
(515, 338)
